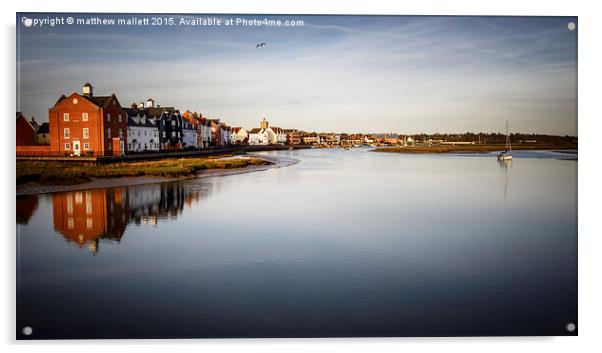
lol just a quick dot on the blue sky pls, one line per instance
(335, 73)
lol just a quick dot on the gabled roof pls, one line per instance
(255, 130)
(21, 116)
(100, 101)
(131, 112)
(44, 128)
(236, 129)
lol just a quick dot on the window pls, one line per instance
(164, 134)
(86, 146)
(108, 116)
(109, 132)
(67, 146)
(173, 123)
(110, 146)
(65, 116)
(86, 133)
(118, 116)
(66, 133)
(89, 223)
(84, 116)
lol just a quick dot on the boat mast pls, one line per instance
(508, 147)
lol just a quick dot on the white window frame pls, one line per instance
(86, 146)
(68, 146)
(66, 133)
(86, 133)
(65, 116)
(84, 116)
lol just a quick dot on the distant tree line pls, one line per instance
(497, 138)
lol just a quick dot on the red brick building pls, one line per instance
(85, 124)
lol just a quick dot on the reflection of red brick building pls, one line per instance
(83, 124)
(85, 217)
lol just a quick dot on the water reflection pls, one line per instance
(88, 217)
(26, 207)
(506, 167)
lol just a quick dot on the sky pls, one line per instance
(402, 74)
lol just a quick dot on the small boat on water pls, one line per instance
(507, 154)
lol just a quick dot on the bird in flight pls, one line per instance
(260, 45)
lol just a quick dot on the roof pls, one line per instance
(255, 130)
(131, 112)
(236, 129)
(44, 128)
(100, 101)
(21, 116)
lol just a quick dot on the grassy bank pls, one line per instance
(64, 174)
(469, 148)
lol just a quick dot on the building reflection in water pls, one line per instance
(90, 217)
(26, 207)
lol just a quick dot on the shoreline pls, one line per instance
(99, 183)
(484, 149)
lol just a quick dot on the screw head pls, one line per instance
(27, 330)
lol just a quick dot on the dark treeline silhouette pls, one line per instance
(498, 138)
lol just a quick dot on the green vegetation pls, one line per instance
(472, 148)
(57, 173)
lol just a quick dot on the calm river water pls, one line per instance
(343, 243)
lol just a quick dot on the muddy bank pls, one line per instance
(98, 183)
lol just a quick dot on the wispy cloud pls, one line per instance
(405, 74)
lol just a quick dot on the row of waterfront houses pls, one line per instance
(87, 124)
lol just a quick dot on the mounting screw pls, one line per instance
(27, 331)
(571, 327)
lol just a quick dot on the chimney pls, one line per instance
(150, 103)
(141, 105)
(88, 90)
(134, 106)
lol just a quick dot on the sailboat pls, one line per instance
(507, 154)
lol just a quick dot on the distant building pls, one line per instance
(216, 133)
(259, 136)
(44, 134)
(311, 140)
(189, 134)
(239, 135)
(293, 137)
(279, 134)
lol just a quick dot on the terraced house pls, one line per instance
(142, 131)
(85, 124)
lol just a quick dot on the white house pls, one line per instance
(258, 136)
(279, 135)
(226, 132)
(239, 135)
(142, 132)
